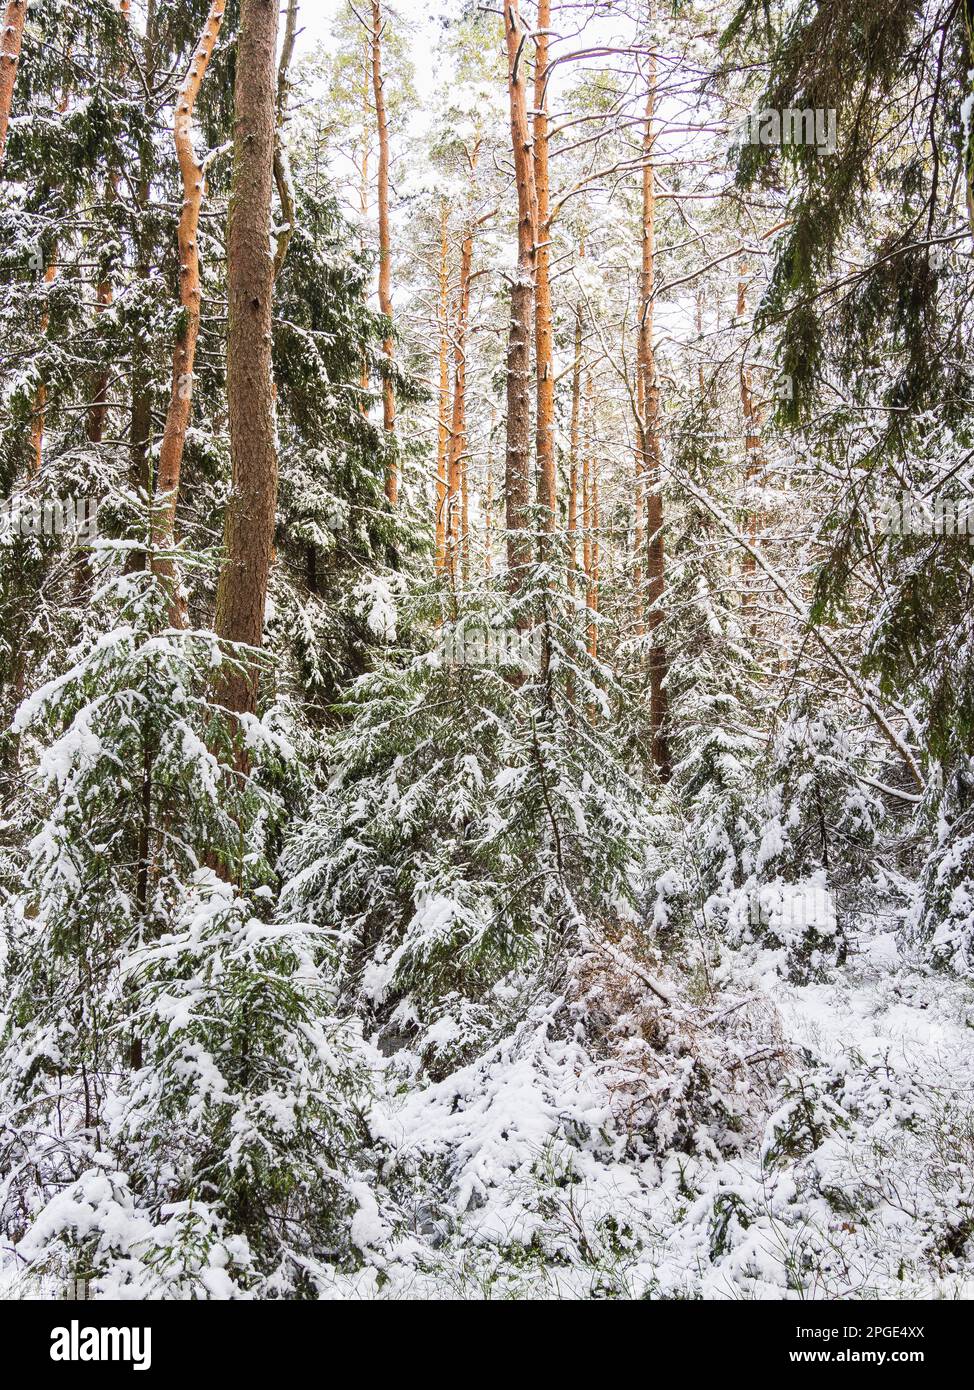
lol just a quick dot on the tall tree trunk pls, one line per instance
(184, 356)
(363, 188)
(586, 521)
(489, 501)
(282, 165)
(141, 429)
(651, 441)
(589, 553)
(465, 513)
(517, 481)
(573, 451)
(642, 471)
(753, 453)
(385, 242)
(249, 531)
(443, 405)
(594, 595)
(543, 317)
(458, 500)
(10, 43)
(140, 410)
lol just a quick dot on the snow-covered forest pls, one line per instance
(486, 640)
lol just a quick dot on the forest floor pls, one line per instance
(516, 1176)
(856, 1180)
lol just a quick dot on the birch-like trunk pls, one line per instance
(184, 355)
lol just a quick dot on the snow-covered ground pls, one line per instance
(833, 1158)
(857, 1180)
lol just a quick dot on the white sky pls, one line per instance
(315, 18)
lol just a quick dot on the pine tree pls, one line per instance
(249, 535)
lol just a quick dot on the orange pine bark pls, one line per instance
(586, 518)
(517, 483)
(184, 356)
(639, 501)
(573, 452)
(543, 312)
(458, 424)
(458, 499)
(590, 518)
(10, 45)
(465, 513)
(489, 519)
(140, 408)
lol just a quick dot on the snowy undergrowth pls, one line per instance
(556, 1168)
(643, 1134)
